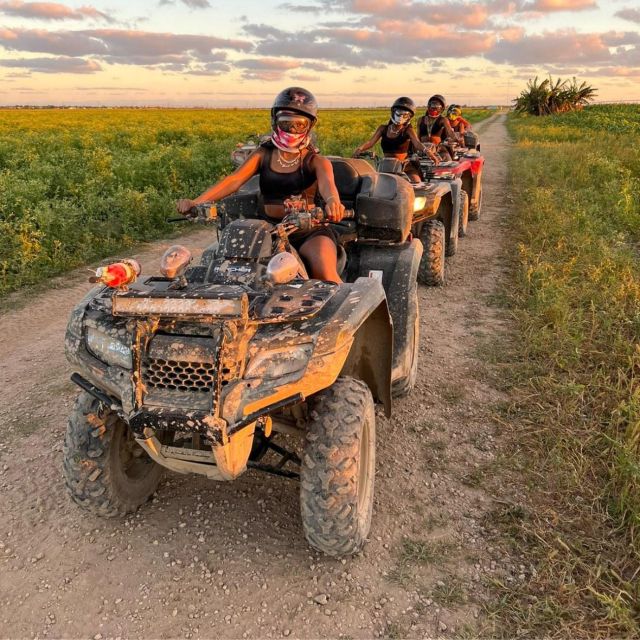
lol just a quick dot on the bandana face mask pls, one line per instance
(291, 132)
(434, 109)
(400, 116)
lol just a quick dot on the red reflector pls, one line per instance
(117, 274)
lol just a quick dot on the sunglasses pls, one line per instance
(293, 123)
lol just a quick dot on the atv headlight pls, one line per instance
(108, 349)
(419, 203)
(277, 363)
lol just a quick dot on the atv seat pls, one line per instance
(391, 165)
(348, 174)
(384, 208)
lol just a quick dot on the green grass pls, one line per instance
(78, 185)
(575, 297)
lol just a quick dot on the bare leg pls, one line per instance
(322, 257)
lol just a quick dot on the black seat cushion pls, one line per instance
(348, 174)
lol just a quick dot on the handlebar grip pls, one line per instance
(349, 214)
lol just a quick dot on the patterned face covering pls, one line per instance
(400, 116)
(289, 141)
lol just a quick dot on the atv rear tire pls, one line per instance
(474, 212)
(403, 386)
(105, 470)
(338, 468)
(463, 218)
(431, 269)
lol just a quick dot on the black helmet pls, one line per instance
(404, 103)
(439, 99)
(298, 100)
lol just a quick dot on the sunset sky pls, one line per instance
(348, 52)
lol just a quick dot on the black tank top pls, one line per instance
(435, 128)
(399, 144)
(275, 186)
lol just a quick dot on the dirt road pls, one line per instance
(229, 560)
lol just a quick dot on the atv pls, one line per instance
(467, 164)
(202, 368)
(436, 217)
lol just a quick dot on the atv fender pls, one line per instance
(449, 210)
(399, 266)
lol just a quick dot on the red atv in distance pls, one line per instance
(467, 164)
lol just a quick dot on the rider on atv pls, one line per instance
(458, 124)
(397, 136)
(434, 127)
(288, 165)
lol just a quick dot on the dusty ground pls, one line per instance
(229, 560)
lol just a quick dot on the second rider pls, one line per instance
(397, 137)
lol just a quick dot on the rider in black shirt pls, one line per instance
(434, 127)
(397, 138)
(289, 165)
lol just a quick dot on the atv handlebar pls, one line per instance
(206, 213)
(309, 219)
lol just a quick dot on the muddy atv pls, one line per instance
(203, 368)
(467, 165)
(438, 207)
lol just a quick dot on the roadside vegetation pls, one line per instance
(575, 420)
(78, 185)
(545, 97)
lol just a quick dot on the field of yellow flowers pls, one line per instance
(80, 184)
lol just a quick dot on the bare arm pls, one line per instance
(448, 130)
(327, 188)
(425, 147)
(371, 141)
(228, 185)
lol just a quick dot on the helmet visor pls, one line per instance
(292, 123)
(400, 116)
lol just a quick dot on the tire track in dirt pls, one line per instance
(229, 560)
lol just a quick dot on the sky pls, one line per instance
(210, 53)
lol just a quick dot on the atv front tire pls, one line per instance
(338, 468)
(474, 212)
(431, 269)
(105, 469)
(464, 215)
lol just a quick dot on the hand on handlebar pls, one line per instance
(334, 210)
(184, 206)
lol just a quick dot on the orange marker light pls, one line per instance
(117, 274)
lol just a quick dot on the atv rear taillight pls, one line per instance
(117, 275)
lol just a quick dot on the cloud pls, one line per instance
(50, 11)
(546, 6)
(63, 64)
(301, 8)
(192, 4)
(119, 46)
(632, 15)
(268, 69)
(564, 47)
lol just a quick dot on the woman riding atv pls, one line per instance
(458, 124)
(434, 127)
(288, 165)
(397, 136)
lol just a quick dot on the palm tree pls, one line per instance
(547, 96)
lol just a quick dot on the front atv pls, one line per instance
(198, 370)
